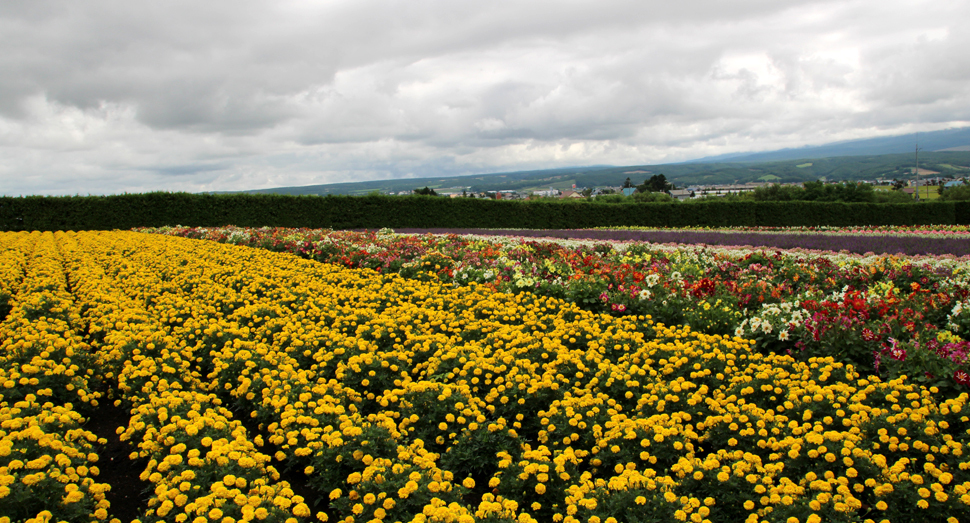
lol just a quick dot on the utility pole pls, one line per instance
(917, 167)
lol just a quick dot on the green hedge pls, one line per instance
(372, 212)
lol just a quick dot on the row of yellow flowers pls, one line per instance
(201, 462)
(347, 369)
(48, 465)
(402, 400)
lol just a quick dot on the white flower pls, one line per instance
(783, 335)
(644, 294)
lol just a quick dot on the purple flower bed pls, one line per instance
(860, 244)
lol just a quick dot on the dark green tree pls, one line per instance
(425, 192)
(776, 193)
(960, 192)
(656, 183)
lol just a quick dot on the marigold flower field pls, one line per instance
(418, 400)
(895, 315)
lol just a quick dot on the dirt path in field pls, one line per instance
(128, 492)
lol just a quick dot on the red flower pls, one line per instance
(898, 354)
(962, 377)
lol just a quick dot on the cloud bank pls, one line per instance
(106, 96)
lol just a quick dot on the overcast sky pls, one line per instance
(111, 96)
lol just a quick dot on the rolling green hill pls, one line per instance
(901, 166)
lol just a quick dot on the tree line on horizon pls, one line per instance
(657, 188)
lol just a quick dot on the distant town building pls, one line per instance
(680, 194)
(550, 192)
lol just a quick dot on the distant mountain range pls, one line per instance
(946, 140)
(942, 153)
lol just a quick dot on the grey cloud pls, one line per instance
(238, 54)
(183, 170)
(275, 91)
(922, 73)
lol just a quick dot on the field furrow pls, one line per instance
(47, 460)
(200, 461)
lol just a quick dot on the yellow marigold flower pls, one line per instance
(31, 479)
